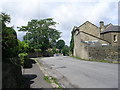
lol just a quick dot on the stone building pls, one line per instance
(111, 33)
(88, 36)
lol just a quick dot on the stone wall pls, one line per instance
(89, 52)
(79, 47)
(110, 53)
(101, 49)
(110, 37)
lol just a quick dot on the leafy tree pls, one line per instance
(9, 43)
(10, 61)
(60, 44)
(9, 40)
(5, 18)
(41, 33)
(55, 50)
(65, 50)
(23, 47)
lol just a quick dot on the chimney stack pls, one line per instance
(102, 27)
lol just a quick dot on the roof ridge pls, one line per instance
(88, 22)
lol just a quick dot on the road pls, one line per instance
(84, 74)
(35, 77)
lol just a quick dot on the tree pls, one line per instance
(60, 44)
(41, 33)
(23, 47)
(5, 18)
(9, 43)
(65, 50)
(9, 39)
(10, 61)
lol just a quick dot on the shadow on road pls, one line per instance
(27, 78)
(28, 63)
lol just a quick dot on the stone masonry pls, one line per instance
(92, 42)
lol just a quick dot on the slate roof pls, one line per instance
(111, 29)
(106, 26)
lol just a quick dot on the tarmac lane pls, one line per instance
(82, 74)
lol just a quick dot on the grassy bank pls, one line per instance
(104, 61)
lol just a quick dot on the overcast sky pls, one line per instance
(68, 13)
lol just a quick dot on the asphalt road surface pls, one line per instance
(35, 77)
(85, 74)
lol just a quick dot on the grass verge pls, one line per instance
(51, 79)
(105, 61)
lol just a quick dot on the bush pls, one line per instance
(23, 58)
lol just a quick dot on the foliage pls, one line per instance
(65, 50)
(46, 78)
(10, 51)
(72, 42)
(11, 46)
(60, 44)
(51, 79)
(5, 19)
(41, 33)
(9, 39)
(72, 45)
(23, 47)
(55, 50)
(51, 51)
(48, 53)
(9, 43)
(37, 51)
(23, 57)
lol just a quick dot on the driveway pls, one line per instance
(83, 74)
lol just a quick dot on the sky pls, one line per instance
(67, 13)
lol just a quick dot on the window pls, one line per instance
(115, 38)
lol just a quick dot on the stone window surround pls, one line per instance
(115, 38)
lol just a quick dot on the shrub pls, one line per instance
(23, 58)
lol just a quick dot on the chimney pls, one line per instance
(102, 27)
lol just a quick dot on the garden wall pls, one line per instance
(110, 53)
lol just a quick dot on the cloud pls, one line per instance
(76, 1)
(67, 13)
(74, 14)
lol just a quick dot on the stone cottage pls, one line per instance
(111, 33)
(88, 36)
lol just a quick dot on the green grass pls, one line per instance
(55, 81)
(47, 78)
(105, 61)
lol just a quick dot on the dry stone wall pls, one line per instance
(110, 53)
